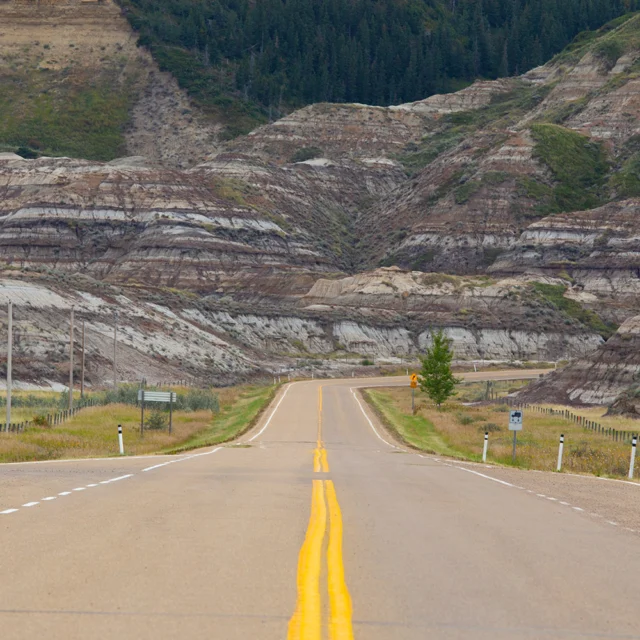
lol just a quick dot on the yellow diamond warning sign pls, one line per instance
(414, 380)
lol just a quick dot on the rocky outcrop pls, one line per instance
(598, 249)
(598, 378)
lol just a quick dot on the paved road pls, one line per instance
(321, 528)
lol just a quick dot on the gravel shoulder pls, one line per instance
(616, 502)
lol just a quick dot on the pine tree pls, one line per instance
(436, 378)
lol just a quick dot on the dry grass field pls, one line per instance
(93, 432)
(458, 430)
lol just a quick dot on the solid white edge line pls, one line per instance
(266, 424)
(477, 473)
(364, 413)
(482, 475)
(157, 466)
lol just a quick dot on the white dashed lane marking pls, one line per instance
(124, 477)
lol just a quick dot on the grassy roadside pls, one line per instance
(93, 431)
(234, 420)
(458, 431)
(416, 431)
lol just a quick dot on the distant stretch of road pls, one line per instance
(315, 526)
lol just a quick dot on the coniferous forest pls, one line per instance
(278, 54)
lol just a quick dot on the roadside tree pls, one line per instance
(436, 378)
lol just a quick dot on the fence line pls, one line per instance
(53, 419)
(592, 425)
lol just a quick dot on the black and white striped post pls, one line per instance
(486, 445)
(120, 442)
(634, 443)
(560, 452)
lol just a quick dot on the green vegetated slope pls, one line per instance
(79, 113)
(585, 173)
(244, 60)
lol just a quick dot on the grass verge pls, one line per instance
(416, 431)
(234, 420)
(93, 431)
(458, 431)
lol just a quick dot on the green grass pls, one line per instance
(416, 431)
(608, 42)
(579, 167)
(234, 420)
(625, 182)
(554, 295)
(60, 113)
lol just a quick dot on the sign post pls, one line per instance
(156, 396)
(141, 398)
(413, 384)
(515, 425)
(170, 411)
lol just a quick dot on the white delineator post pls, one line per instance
(560, 451)
(486, 445)
(634, 443)
(120, 443)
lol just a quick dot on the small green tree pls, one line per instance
(436, 378)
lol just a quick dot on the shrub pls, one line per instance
(463, 419)
(306, 153)
(41, 420)
(156, 421)
(365, 362)
(490, 427)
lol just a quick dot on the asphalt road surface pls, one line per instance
(316, 526)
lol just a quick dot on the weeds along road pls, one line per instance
(317, 527)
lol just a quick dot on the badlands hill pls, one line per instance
(505, 213)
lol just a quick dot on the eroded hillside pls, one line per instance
(75, 83)
(505, 213)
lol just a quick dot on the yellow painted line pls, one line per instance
(323, 460)
(305, 624)
(317, 464)
(340, 609)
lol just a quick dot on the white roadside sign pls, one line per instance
(515, 421)
(156, 396)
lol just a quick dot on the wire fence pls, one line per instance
(49, 419)
(614, 434)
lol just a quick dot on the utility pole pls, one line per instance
(82, 366)
(9, 350)
(115, 343)
(71, 363)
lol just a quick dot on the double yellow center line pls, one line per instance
(306, 622)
